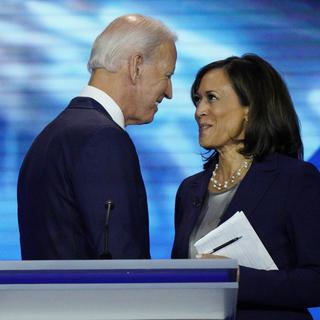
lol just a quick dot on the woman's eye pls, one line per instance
(196, 100)
(211, 97)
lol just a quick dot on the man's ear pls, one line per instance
(135, 67)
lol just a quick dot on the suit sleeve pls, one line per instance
(108, 168)
(300, 285)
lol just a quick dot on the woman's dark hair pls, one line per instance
(273, 124)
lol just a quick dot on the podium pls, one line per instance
(118, 289)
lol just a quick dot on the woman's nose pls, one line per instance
(201, 109)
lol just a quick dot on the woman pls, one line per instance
(246, 117)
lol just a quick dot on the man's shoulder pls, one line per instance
(82, 123)
(75, 129)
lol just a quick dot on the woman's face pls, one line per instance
(219, 114)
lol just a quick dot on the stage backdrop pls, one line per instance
(44, 49)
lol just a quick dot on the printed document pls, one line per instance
(249, 250)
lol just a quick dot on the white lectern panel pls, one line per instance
(118, 289)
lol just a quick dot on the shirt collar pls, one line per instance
(106, 101)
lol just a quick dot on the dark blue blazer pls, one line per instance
(281, 198)
(80, 160)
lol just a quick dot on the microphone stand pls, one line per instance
(106, 253)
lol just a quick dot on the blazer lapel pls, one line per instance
(252, 188)
(197, 192)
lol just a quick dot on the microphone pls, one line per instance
(106, 253)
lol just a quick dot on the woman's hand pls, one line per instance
(215, 256)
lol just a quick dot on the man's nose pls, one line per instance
(168, 92)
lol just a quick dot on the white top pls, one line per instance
(106, 101)
(212, 210)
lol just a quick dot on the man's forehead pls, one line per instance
(166, 48)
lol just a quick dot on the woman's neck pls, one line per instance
(230, 169)
(229, 161)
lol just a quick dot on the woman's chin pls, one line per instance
(205, 144)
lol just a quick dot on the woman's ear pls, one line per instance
(135, 67)
(246, 113)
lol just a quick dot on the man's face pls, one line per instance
(154, 83)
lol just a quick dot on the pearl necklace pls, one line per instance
(231, 180)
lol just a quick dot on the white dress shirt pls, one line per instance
(106, 101)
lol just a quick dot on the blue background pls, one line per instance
(44, 49)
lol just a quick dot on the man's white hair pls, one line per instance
(125, 36)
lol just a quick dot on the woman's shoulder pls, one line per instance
(293, 169)
(196, 178)
(293, 165)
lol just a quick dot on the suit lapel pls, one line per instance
(253, 187)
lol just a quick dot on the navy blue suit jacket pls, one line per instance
(281, 198)
(80, 160)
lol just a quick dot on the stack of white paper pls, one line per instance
(249, 250)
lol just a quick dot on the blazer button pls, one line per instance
(196, 202)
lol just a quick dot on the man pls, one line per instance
(84, 157)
